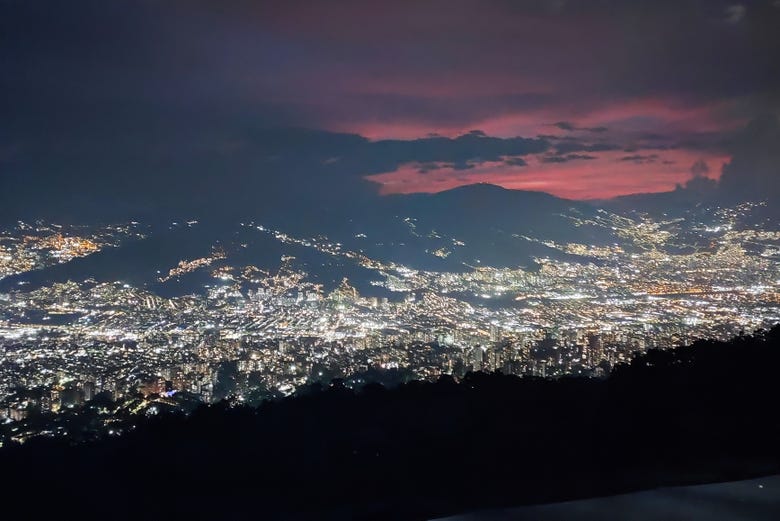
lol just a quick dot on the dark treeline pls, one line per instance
(699, 413)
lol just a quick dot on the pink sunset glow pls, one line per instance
(605, 177)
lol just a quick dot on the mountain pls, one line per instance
(478, 225)
(491, 222)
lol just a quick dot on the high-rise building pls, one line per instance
(89, 390)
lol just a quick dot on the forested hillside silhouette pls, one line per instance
(703, 412)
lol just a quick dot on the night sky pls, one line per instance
(583, 100)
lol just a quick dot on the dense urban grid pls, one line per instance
(83, 357)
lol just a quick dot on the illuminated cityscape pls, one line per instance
(389, 261)
(249, 333)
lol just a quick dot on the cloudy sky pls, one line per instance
(583, 100)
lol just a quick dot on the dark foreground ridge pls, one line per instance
(706, 412)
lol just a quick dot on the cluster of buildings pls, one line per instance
(250, 334)
(32, 246)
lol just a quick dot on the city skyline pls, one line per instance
(102, 311)
(229, 202)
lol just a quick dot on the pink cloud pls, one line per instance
(605, 177)
(665, 117)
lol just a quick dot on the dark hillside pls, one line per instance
(705, 412)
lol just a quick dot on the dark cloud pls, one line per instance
(699, 185)
(429, 166)
(564, 125)
(578, 146)
(641, 159)
(461, 110)
(516, 161)
(104, 100)
(566, 158)
(555, 138)
(222, 170)
(461, 152)
(569, 127)
(385, 62)
(734, 14)
(704, 141)
(754, 169)
(700, 168)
